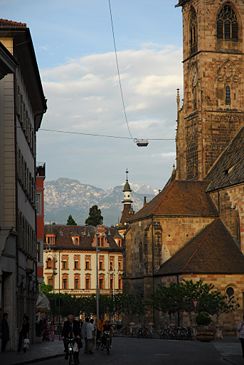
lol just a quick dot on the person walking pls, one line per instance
(4, 331)
(88, 331)
(24, 333)
(240, 331)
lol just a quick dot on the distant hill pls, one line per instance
(67, 196)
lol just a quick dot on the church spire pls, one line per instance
(127, 201)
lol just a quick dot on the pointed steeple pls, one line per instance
(127, 201)
(127, 190)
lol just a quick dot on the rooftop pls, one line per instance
(213, 251)
(229, 168)
(179, 198)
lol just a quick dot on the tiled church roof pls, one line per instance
(229, 168)
(213, 251)
(180, 198)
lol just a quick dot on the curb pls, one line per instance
(39, 359)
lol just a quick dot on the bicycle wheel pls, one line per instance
(71, 358)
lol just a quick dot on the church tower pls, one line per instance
(213, 59)
(127, 202)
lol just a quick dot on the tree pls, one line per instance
(95, 218)
(71, 221)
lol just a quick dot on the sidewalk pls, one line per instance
(37, 352)
(230, 350)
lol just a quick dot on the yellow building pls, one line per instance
(74, 254)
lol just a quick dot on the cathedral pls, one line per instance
(194, 228)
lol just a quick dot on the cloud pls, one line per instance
(83, 95)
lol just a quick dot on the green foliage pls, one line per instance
(119, 303)
(71, 221)
(203, 319)
(192, 296)
(95, 218)
(45, 289)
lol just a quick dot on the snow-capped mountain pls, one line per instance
(67, 196)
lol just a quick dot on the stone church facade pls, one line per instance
(194, 228)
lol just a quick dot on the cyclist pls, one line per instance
(107, 327)
(71, 329)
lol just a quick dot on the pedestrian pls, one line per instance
(4, 331)
(240, 331)
(88, 330)
(93, 334)
(24, 334)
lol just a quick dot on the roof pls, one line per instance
(127, 186)
(213, 251)
(63, 237)
(5, 23)
(179, 198)
(24, 54)
(229, 168)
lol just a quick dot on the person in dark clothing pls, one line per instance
(5, 331)
(71, 329)
(24, 332)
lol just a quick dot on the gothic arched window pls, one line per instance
(227, 95)
(227, 24)
(193, 31)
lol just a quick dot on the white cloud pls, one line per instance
(83, 95)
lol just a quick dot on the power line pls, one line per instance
(118, 71)
(101, 135)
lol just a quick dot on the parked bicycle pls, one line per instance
(176, 333)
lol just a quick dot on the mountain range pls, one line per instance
(67, 196)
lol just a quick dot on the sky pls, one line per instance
(74, 49)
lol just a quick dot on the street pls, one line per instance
(130, 351)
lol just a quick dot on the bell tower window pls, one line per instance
(227, 24)
(193, 31)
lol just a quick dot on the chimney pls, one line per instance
(145, 201)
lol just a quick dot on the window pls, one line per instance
(50, 239)
(227, 95)
(65, 283)
(227, 25)
(101, 282)
(193, 31)
(88, 262)
(230, 292)
(38, 204)
(88, 282)
(76, 240)
(111, 282)
(120, 283)
(111, 263)
(101, 263)
(64, 265)
(120, 264)
(77, 282)
(49, 263)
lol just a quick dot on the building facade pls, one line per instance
(40, 178)
(22, 105)
(193, 229)
(74, 255)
